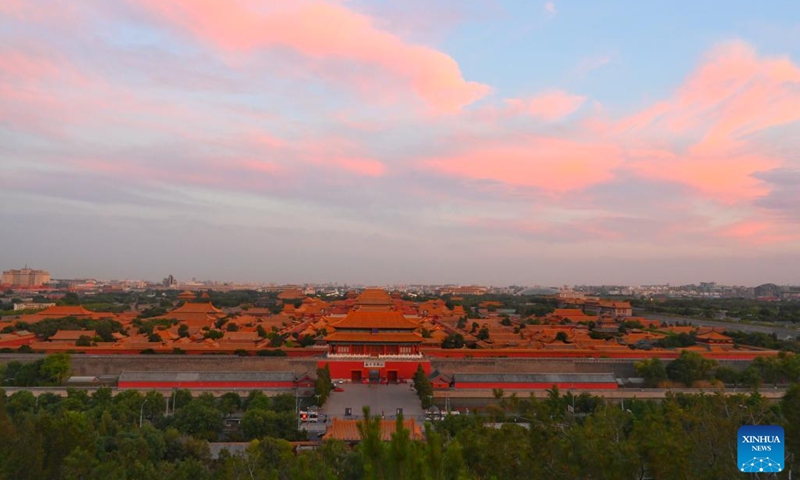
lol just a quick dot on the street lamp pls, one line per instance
(173, 397)
(141, 413)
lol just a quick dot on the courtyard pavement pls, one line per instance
(381, 399)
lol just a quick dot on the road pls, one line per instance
(619, 394)
(782, 332)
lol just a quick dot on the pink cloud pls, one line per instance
(551, 164)
(365, 167)
(320, 30)
(731, 96)
(759, 232)
(723, 176)
(551, 106)
(726, 98)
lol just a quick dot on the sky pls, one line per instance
(407, 141)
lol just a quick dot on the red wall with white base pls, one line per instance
(537, 386)
(220, 385)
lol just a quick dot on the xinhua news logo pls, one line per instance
(760, 448)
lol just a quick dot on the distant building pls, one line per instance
(469, 290)
(25, 277)
(32, 306)
(346, 430)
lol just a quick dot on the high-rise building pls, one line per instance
(25, 277)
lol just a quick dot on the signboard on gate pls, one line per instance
(374, 364)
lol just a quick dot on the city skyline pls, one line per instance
(211, 282)
(382, 143)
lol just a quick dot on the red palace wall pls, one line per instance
(221, 385)
(343, 370)
(537, 386)
(623, 354)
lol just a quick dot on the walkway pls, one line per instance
(384, 399)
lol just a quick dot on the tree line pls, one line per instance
(691, 367)
(131, 436)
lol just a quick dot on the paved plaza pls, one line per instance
(384, 399)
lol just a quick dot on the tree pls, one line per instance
(423, 387)
(690, 367)
(561, 337)
(454, 340)
(230, 403)
(371, 447)
(57, 367)
(183, 331)
(400, 449)
(214, 334)
(323, 385)
(483, 333)
(751, 377)
(83, 341)
(71, 298)
(653, 371)
(728, 375)
(769, 367)
(790, 409)
(200, 419)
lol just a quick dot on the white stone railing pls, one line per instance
(408, 356)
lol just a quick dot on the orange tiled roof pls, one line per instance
(66, 311)
(347, 430)
(241, 336)
(291, 294)
(386, 337)
(569, 312)
(72, 335)
(358, 319)
(206, 307)
(374, 296)
(614, 304)
(714, 335)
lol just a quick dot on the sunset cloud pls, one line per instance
(550, 106)
(334, 113)
(324, 31)
(708, 131)
(549, 164)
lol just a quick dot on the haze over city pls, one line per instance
(387, 142)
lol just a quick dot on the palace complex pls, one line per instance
(369, 335)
